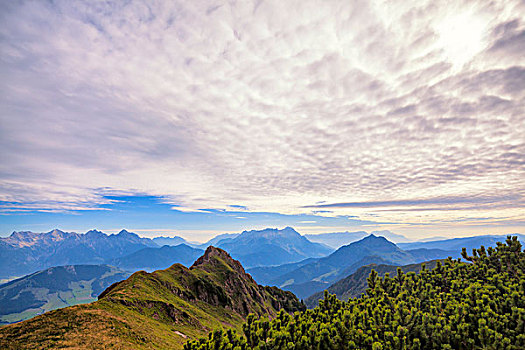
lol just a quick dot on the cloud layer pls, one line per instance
(272, 105)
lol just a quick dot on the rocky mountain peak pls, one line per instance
(270, 233)
(376, 239)
(28, 238)
(130, 236)
(213, 255)
(94, 233)
(21, 234)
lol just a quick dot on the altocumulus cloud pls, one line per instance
(272, 104)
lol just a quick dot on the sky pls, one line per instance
(194, 118)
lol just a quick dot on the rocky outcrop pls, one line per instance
(215, 279)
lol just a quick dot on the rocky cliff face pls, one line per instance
(239, 290)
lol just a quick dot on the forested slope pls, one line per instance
(356, 284)
(457, 305)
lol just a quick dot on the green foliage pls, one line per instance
(456, 305)
(355, 285)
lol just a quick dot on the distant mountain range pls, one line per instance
(336, 240)
(23, 253)
(54, 288)
(265, 274)
(176, 240)
(26, 252)
(456, 244)
(172, 241)
(150, 259)
(222, 238)
(272, 247)
(304, 279)
(266, 247)
(162, 309)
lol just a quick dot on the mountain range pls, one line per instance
(23, 253)
(176, 240)
(342, 272)
(150, 259)
(162, 309)
(304, 279)
(172, 241)
(272, 247)
(54, 288)
(336, 240)
(215, 241)
(458, 243)
(269, 254)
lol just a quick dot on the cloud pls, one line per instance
(271, 104)
(422, 202)
(238, 207)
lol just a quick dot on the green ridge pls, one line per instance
(161, 310)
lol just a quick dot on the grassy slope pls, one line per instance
(158, 310)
